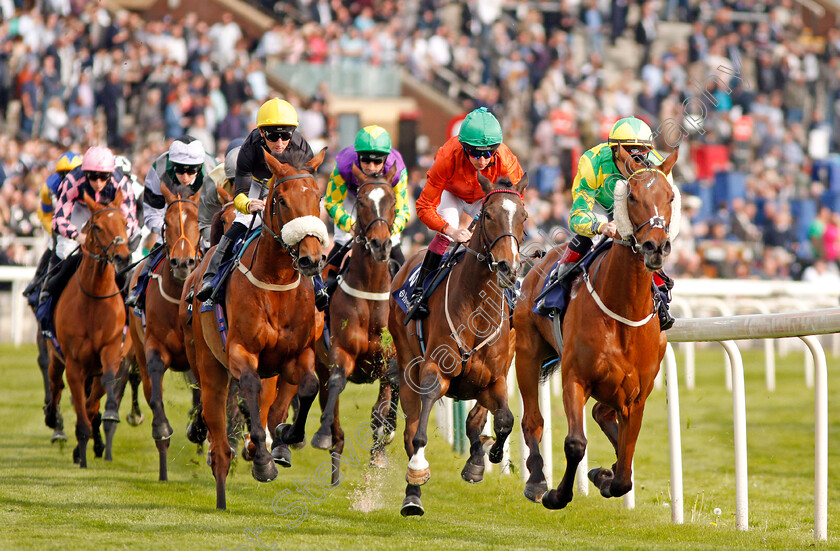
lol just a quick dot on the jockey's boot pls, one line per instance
(46, 288)
(222, 252)
(662, 297)
(567, 263)
(418, 309)
(37, 281)
(143, 278)
(334, 260)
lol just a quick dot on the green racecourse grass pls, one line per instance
(48, 503)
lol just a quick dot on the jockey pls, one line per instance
(184, 169)
(592, 193)
(98, 178)
(373, 154)
(277, 121)
(49, 189)
(452, 187)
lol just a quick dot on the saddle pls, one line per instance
(143, 282)
(403, 295)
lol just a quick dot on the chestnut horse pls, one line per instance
(160, 343)
(271, 317)
(612, 345)
(89, 323)
(360, 349)
(470, 362)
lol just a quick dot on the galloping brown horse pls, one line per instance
(359, 349)
(159, 342)
(89, 323)
(472, 361)
(612, 344)
(271, 318)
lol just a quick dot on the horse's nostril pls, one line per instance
(173, 262)
(648, 247)
(666, 249)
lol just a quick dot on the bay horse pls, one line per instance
(159, 340)
(612, 344)
(89, 325)
(472, 361)
(360, 349)
(271, 318)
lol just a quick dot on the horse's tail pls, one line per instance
(549, 366)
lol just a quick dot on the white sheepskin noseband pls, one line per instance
(622, 216)
(295, 230)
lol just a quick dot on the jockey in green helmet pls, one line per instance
(592, 196)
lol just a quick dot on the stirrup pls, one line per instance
(418, 310)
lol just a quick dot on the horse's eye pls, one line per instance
(487, 215)
(672, 199)
(631, 197)
(281, 201)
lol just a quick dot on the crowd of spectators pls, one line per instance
(73, 74)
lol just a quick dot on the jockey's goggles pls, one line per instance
(94, 176)
(274, 135)
(639, 153)
(375, 158)
(480, 152)
(185, 169)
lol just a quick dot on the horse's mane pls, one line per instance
(296, 158)
(217, 227)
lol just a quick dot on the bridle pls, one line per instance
(361, 234)
(293, 252)
(183, 234)
(655, 221)
(487, 245)
(94, 229)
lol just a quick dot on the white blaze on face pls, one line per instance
(376, 196)
(510, 208)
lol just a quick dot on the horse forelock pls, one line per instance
(621, 214)
(296, 158)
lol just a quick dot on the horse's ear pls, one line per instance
(316, 161)
(92, 205)
(486, 185)
(523, 183)
(357, 172)
(389, 177)
(668, 165)
(274, 165)
(118, 199)
(224, 196)
(168, 196)
(625, 163)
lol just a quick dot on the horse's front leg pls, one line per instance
(307, 383)
(628, 432)
(574, 399)
(75, 380)
(527, 378)
(94, 393)
(431, 387)
(473, 470)
(277, 414)
(606, 418)
(52, 414)
(340, 363)
(245, 363)
(383, 420)
(111, 358)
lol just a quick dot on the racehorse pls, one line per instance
(470, 362)
(360, 349)
(159, 338)
(612, 345)
(271, 318)
(89, 324)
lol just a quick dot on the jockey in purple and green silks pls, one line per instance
(593, 195)
(373, 154)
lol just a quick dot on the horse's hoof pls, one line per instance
(58, 435)
(473, 473)
(196, 433)
(76, 455)
(551, 500)
(111, 415)
(134, 419)
(161, 432)
(322, 441)
(299, 445)
(264, 473)
(601, 479)
(246, 452)
(535, 492)
(50, 416)
(418, 477)
(98, 449)
(282, 456)
(412, 507)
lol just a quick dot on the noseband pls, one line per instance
(117, 241)
(487, 245)
(183, 232)
(361, 236)
(276, 236)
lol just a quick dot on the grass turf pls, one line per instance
(46, 502)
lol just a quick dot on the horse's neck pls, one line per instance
(621, 280)
(365, 273)
(269, 261)
(473, 286)
(97, 277)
